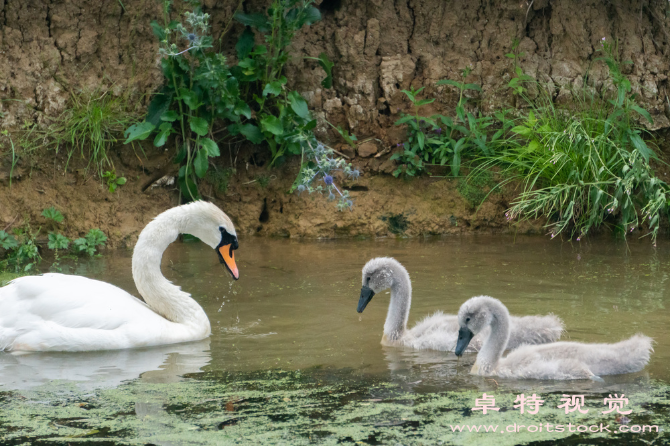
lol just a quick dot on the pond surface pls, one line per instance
(291, 362)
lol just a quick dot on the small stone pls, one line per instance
(347, 150)
(367, 149)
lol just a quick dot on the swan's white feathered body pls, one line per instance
(560, 360)
(58, 312)
(438, 331)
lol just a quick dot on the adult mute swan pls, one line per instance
(560, 360)
(58, 312)
(438, 331)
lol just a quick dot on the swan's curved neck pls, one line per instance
(494, 346)
(401, 300)
(160, 294)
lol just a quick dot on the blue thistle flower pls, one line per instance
(301, 188)
(192, 37)
(328, 180)
(354, 174)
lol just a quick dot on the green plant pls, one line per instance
(349, 138)
(441, 139)
(52, 214)
(21, 250)
(219, 178)
(397, 223)
(58, 241)
(90, 242)
(588, 165)
(263, 181)
(250, 98)
(6, 134)
(7, 241)
(476, 186)
(520, 79)
(91, 124)
(112, 180)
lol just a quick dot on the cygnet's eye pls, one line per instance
(467, 319)
(368, 281)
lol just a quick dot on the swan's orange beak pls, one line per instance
(228, 256)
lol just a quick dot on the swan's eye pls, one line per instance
(369, 279)
(467, 319)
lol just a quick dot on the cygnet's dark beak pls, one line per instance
(464, 337)
(366, 296)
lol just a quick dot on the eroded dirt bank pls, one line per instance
(257, 200)
(49, 49)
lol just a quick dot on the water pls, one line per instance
(291, 362)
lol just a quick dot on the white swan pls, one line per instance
(58, 312)
(438, 331)
(561, 360)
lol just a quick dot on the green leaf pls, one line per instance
(7, 241)
(159, 104)
(252, 133)
(273, 88)
(424, 102)
(169, 116)
(312, 15)
(421, 138)
(449, 82)
(256, 20)
(643, 112)
(211, 147)
(273, 125)
(139, 131)
(299, 105)
(242, 108)
(641, 146)
(190, 98)
(199, 125)
(58, 241)
(52, 214)
(522, 130)
(200, 163)
(472, 87)
(245, 44)
(327, 66)
(162, 136)
(121, 181)
(404, 120)
(158, 30)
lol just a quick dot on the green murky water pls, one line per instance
(291, 362)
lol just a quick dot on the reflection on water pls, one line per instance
(294, 306)
(294, 309)
(95, 370)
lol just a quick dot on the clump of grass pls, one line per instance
(92, 123)
(219, 178)
(586, 166)
(476, 186)
(397, 223)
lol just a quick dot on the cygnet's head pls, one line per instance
(474, 315)
(378, 275)
(212, 226)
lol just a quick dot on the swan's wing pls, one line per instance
(534, 330)
(527, 363)
(45, 312)
(575, 360)
(628, 356)
(439, 331)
